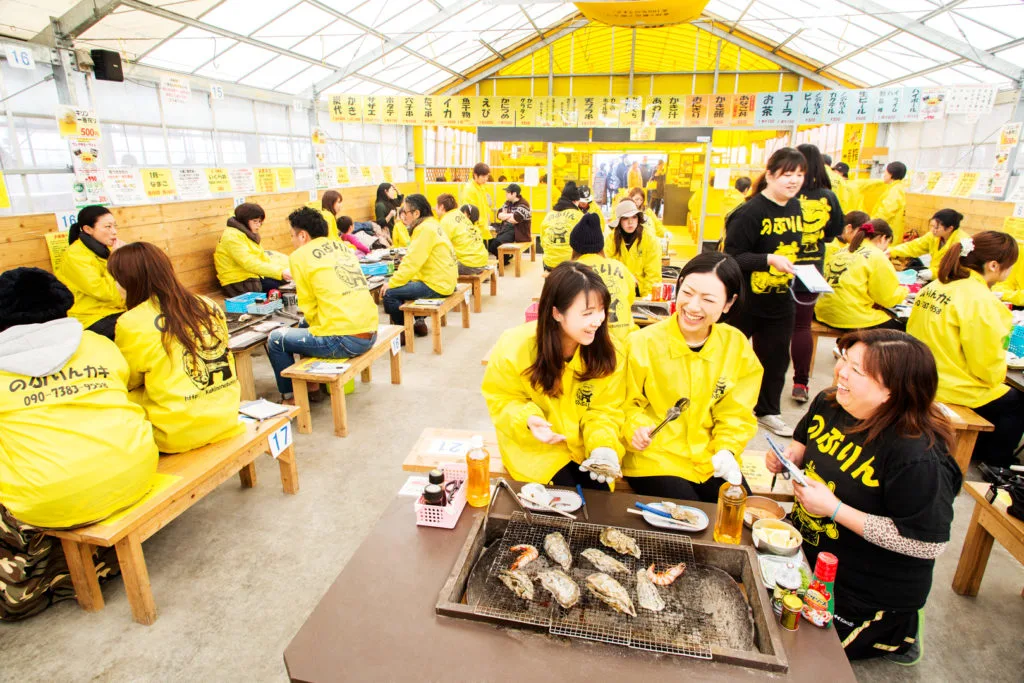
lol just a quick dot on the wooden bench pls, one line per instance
(515, 250)
(477, 282)
(967, 425)
(990, 522)
(819, 330)
(360, 365)
(438, 316)
(182, 480)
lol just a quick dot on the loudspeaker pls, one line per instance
(107, 65)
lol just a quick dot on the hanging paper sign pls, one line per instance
(285, 177)
(365, 173)
(720, 110)
(88, 188)
(889, 105)
(999, 183)
(985, 184)
(158, 182)
(632, 111)
(608, 111)
(372, 109)
(946, 183)
(341, 175)
(653, 111)
(567, 111)
(642, 133)
(506, 115)
(85, 155)
(645, 13)
(429, 110)
(377, 174)
(853, 140)
(57, 245)
(407, 115)
(812, 107)
(242, 181)
(933, 180)
(964, 184)
(447, 110)
(862, 105)
(542, 117)
(191, 183)
(175, 90)
(910, 104)
(1009, 134)
(345, 109)
(389, 110)
(970, 100)
(787, 109)
(266, 181)
(744, 108)
(464, 111)
(768, 104)
(933, 104)
(526, 111)
(218, 181)
(5, 198)
(73, 122)
(696, 113)
(389, 174)
(837, 106)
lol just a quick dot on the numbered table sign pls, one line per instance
(20, 56)
(455, 447)
(280, 439)
(65, 219)
(396, 346)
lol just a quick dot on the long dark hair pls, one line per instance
(870, 230)
(145, 272)
(948, 218)
(382, 196)
(906, 367)
(330, 198)
(725, 268)
(988, 246)
(566, 282)
(418, 202)
(86, 217)
(643, 196)
(782, 160)
(816, 177)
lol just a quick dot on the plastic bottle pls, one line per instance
(732, 501)
(820, 599)
(478, 467)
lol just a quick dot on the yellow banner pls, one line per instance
(645, 13)
(5, 199)
(642, 133)
(526, 111)
(487, 111)
(346, 108)
(696, 113)
(158, 182)
(721, 110)
(372, 106)
(933, 179)
(631, 111)
(608, 111)
(218, 180)
(673, 112)
(853, 138)
(586, 112)
(285, 178)
(390, 113)
(567, 111)
(428, 110)
(389, 174)
(266, 181)
(506, 115)
(410, 114)
(341, 175)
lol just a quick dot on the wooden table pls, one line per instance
(243, 356)
(1015, 378)
(377, 621)
(988, 523)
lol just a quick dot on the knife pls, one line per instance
(579, 490)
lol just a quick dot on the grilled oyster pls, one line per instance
(647, 593)
(558, 550)
(518, 582)
(603, 562)
(619, 542)
(610, 592)
(561, 586)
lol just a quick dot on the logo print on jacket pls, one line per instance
(584, 393)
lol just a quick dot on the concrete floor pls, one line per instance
(235, 576)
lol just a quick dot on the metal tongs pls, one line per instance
(502, 484)
(673, 413)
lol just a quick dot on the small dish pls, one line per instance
(766, 509)
(669, 523)
(773, 527)
(561, 499)
(770, 564)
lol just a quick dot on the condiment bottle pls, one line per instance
(436, 477)
(478, 467)
(787, 582)
(790, 617)
(819, 600)
(433, 495)
(732, 500)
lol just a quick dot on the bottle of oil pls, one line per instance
(478, 467)
(732, 500)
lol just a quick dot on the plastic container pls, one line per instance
(240, 303)
(265, 308)
(478, 466)
(447, 516)
(732, 502)
(531, 311)
(370, 269)
(1016, 345)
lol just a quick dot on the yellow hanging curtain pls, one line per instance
(642, 13)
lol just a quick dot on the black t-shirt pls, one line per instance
(895, 477)
(752, 231)
(822, 223)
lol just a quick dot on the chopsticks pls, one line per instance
(549, 508)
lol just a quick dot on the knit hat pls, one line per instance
(32, 295)
(585, 195)
(570, 192)
(625, 209)
(586, 237)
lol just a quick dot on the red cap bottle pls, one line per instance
(825, 567)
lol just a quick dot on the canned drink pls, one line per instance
(791, 608)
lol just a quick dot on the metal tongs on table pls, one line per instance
(502, 484)
(673, 413)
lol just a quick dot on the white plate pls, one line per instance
(770, 564)
(668, 523)
(564, 500)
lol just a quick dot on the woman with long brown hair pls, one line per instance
(875, 450)
(554, 387)
(176, 345)
(964, 325)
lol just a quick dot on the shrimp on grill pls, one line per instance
(527, 554)
(666, 577)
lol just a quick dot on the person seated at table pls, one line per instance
(964, 325)
(587, 205)
(556, 226)
(554, 387)
(634, 245)
(864, 283)
(693, 355)
(73, 448)
(360, 240)
(386, 207)
(91, 239)
(429, 269)
(176, 345)
(875, 451)
(587, 242)
(653, 223)
(943, 230)
(470, 252)
(242, 264)
(340, 316)
(851, 221)
(516, 221)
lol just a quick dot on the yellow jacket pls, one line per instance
(400, 235)
(643, 259)
(634, 178)
(841, 189)
(1012, 288)
(96, 292)
(471, 193)
(654, 222)
(892, 207)
(238, 258)
(859, 281)
(190, 401)
(73, 448)
(964, 325)
(833, 248)
(332, 290)
(430, 259)
(622, 286)
(594, 208)
(731, 200)
(722, 381)
(469, 249)
(588, 413)
(926, 244)
(332, 221)
(554, 235)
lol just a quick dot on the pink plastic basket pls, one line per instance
(531, 312)
(448, 516)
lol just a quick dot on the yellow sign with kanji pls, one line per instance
(447, 110)
(265, 180)
(427, 111)
(743, 110)
(721, 109)
(341, 175)
(965, 183)
(372, 109)
(933, 179)
(346, 108)
(586, 108)
(853, 138)
(390, 113)
(673, 111)
(158, 182)
(526, 111)
(218, 180)
(410, 114)
(285, 178)
(696, 113)
(631, 111)
(486, 111)
(506, 111)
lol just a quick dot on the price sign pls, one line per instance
(19, 56)
(396, 346)
(280, 440)
(448, 447)
(77, 123)
(65, 219)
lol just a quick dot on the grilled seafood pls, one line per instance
(518, 582)
(603, 562)
(527, 554)
(610, 592)
(647, 593)
(558, 550)
(666, 577)
(561, 586)
(619, 542)
(680, 513)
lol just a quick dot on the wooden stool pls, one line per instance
(438, 316)
(967, 424)
(515, 250)
(477, 282)
(819, 330)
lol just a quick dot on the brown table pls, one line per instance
(990, 522)
(377, 621)
(1015, 378)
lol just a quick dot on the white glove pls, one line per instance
(606, 461)
(724, 463)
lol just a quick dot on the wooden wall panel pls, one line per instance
(979, 214)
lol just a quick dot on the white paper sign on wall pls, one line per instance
(65, 219)
(19, 56)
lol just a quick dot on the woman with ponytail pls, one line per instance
(98, 303)
(943, 230)
(864, 283)
(964, 325)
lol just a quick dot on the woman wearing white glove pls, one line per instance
(690, 355)
(554, 387)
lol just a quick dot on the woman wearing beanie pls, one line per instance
(242, 264)
(633, 244)
(98, 303)
(587, 242)
(554, 230)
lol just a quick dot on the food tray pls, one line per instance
(445, 517)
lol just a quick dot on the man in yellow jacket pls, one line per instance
(98, 302)
(892, 206)
(429, 269)
(474, 192)
(242, 264)
(340, 315)
(943, 230)
(557, 224)
(587, 242)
